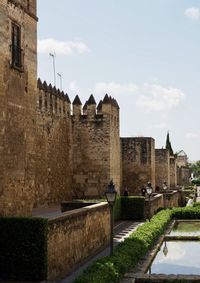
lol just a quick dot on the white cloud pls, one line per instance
(74, 88)
(158, 98)
(159, 126)
(192, 135)
(62, 47)
(193, 13)
(115, 89)
(173, 255)
(148, 97)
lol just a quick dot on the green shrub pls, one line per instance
(189, 188)
(132, 208)
(23, 248)
(186, 213)
(117, 209)
(196, 182)
(189, 192)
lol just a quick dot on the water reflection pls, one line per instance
(186, 228)
(177, 257)
(165, 249)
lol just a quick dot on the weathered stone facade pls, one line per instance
(138, 163)
(162, 163)
(173, 172)
(17, 108)
(53, 170)
(183, 171)
(96, 146)
(183, 175)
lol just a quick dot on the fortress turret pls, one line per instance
(99, 107)
(91, 106)
(77, 106)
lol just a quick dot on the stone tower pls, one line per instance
(18, 79)
(138, 163)
(96, 146)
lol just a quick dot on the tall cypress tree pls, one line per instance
(168, 145)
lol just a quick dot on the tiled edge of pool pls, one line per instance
(158, 278)
(139, 275)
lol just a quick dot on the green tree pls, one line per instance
(195, 168)
(168, 145)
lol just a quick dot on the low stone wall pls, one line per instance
(76, 235)
(171, 199)
(156, 202)
(163, 200)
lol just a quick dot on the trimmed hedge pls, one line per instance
(196, 182)
(117, 209)
(128, 253)
(132, 208)
(186, 212)
(23, 248)
(129, 208)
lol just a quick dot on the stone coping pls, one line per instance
(154, 197)
(139, 275)
(78, 212)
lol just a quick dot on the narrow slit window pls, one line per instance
(16, 46)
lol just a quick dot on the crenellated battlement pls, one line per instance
(90, 111)
(52, 101)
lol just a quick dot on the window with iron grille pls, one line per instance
(16, 46)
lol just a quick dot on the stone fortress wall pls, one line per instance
(138, 163)
(51, 149)
(17, 108)
(53, 146)
(162, 164)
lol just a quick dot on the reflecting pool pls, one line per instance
(186, 228)
(177, 257)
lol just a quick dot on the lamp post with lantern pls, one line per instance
(111, 195)
(149, 191)
(164, 194)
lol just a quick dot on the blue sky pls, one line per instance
(144, 53)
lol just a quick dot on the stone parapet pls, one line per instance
(76, 235)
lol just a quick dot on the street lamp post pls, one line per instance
(53, 56)
(111, 194)
(164, 194)
(149, 190)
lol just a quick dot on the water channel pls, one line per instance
(179, 256)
